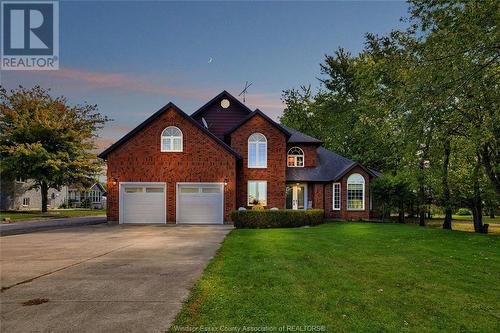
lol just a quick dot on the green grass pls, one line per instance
(351, 277)
(56, 213)
(468, 218)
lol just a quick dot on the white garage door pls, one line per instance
(200, 203)
(142, 203)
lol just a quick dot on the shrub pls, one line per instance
(284, 218)
(464, 212)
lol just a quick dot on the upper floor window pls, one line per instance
(356, 192)
(257, 151)
(171, 139)
(295, 157)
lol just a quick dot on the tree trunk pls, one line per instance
(492, 214)
(421, 196)
(446, 187)
(490, 169)
(44, 188)
(477, 209)
(401, 215)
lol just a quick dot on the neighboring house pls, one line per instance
(178, 168)
(94, 197)
(18, 195)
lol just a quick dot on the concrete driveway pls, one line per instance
(102, 278)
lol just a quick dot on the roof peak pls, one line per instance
(205, 106)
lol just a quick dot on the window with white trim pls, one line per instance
(295, 157)
(26, 201)
(257, 192)
(356, 192)
(336, 196)
(171, 139)
(257, 151)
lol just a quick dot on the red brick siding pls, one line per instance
(309, 153)
(139, 159)
(317, 191)
(344, 213)
(274, 174)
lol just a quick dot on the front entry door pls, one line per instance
(296, 196)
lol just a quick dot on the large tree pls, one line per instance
(47, 140)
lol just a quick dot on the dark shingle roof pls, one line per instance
(330, 167)
(298, 137)
(263, 115)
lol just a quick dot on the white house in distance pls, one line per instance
(19, 194)
(95, 197)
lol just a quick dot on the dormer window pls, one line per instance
(257, 151)
(171, 139)
(295, 157)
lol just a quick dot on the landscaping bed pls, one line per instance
(350, 277)
(51, 214)
(283, 218)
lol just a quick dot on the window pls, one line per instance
(26, 201)
(154, 189)
(355, 192)
(336, 196)
(257, 151)
(257, 193)
(295, 157)
(171, 139)
(133, 189)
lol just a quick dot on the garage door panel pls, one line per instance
(143, 203)
(200, 203)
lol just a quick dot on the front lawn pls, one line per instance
(350, 277)
(56, 213)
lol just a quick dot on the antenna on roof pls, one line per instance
(204, 122)
(244, 91)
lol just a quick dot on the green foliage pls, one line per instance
(464, 212)
(423, 102)
(47, 140)
(285, 218)
(393, 192)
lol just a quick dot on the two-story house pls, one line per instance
(179, 168)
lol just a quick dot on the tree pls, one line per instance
(47, 140)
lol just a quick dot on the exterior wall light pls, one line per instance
(225, 181)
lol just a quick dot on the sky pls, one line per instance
(131, 58)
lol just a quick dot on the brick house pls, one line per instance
(179, 168)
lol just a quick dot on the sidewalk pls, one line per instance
(40, 225)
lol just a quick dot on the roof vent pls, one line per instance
(204, 122)
(225, 103)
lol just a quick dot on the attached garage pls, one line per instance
(200, 203)
(143, 202)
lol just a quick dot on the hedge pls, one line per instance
(284, 218)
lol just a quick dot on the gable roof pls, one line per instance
(224, 93)
(153, 117)
(299, 137)
(330, 167)
(263, 115)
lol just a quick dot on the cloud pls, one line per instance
(71, 79)
(126, 82)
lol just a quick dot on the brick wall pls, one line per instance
(140, 160)
(274, 174)
(344, 213)
(310, 154)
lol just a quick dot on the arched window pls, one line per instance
(295, 157)
(356, 192)
(171, 139)
(257, 151)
